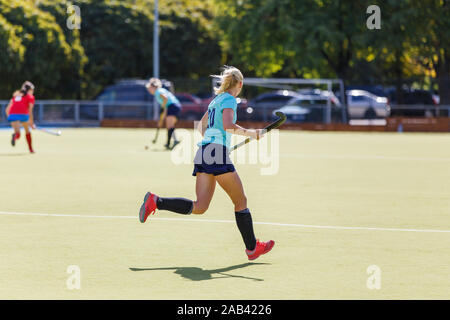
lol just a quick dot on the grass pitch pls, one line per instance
(76, 201)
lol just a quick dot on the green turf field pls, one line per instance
(92, 181)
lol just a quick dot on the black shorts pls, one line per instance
(173, 110)
(213, 159)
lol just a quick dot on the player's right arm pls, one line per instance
(203, 124)
(8, 108)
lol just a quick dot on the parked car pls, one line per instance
(413, 97)
(261, 107)
(129, 91)
(436, 99)
(377, 90)
(310, 108)
(325, 94)
(193, 107)
(362, 104)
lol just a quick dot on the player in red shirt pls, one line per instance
(20, 112)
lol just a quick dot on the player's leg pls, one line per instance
(28, 136)
(205, 186)
(170, 125)
(232, 185)
(16, 135)
(204, 189)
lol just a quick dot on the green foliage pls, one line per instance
(301, 36)
(288, 38)
(115, 41)
(329, 38)
(11, 54)
(47, 56)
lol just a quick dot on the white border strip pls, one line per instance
(223, 221)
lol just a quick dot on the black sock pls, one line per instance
(178, 205)
(173, 135)
(169, 135)
(245, 225)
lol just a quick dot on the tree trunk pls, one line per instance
(398, 77)
(444, 79)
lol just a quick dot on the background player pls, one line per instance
(212, 164)
(170, 105)
(20, 112)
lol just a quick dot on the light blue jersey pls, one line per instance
(171, 99)
(215, 132)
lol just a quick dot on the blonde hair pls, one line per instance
(228, 79)
(154, 82)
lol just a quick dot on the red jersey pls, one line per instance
(20, 104)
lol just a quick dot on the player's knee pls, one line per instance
(241, 202)
(200, 208)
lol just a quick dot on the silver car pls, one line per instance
(362, 104)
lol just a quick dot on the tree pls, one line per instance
(433, 41)
(391, 46)
(45, 50)
(115, 41)
(73, 86)
(11, 55)
(312, 36)
(189, 45)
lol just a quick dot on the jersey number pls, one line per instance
(211, 113)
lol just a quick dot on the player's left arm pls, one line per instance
(31, 121)
(164, 107)
(165, 100)
(229, 126)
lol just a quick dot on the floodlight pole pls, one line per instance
(156, 56)
(328, 110)
(343, 101)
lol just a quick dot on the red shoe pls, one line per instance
(148, 207)
(261, 248)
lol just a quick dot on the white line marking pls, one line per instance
(362, 157)
(223, 221)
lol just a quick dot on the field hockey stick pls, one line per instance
(281, 119)
(157, 129)
(55, 133)
(156, 135)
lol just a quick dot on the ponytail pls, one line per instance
(228, 79)
(154, 82)
(26, 86)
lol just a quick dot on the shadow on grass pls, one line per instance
(199, 274)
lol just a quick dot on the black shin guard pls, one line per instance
(245, 225)
(177, 205)
(169, 135)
